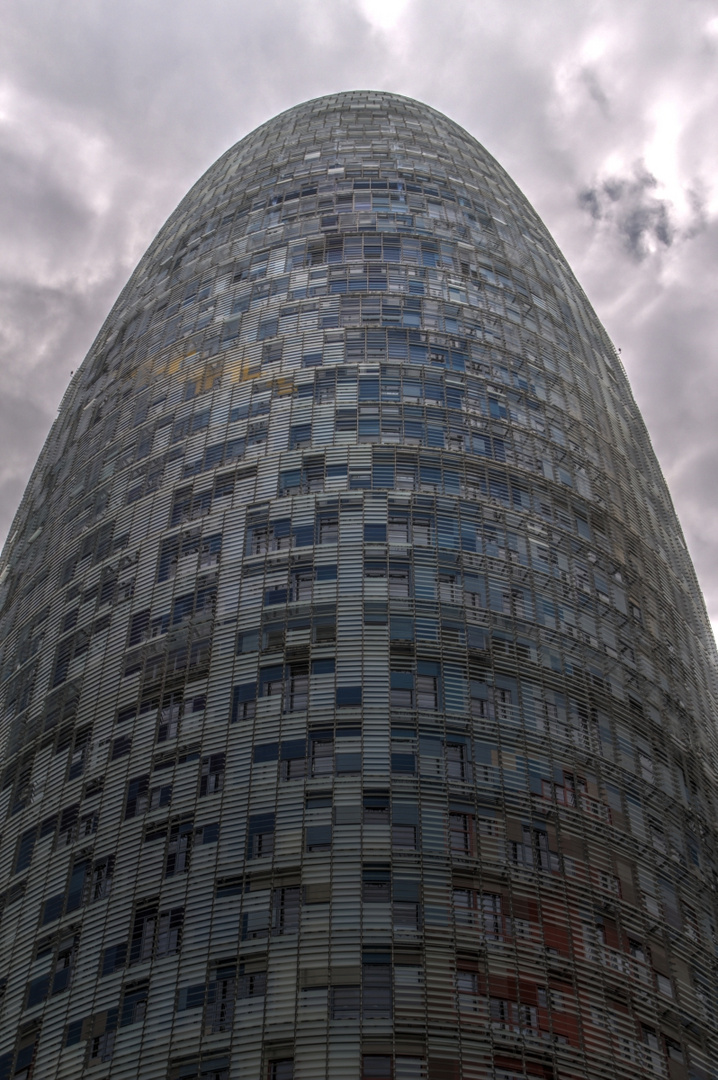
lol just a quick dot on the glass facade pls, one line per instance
(358, 694)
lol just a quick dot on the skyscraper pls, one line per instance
(358, 693)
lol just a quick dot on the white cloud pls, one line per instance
(384, 14)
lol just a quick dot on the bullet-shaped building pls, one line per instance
(358, 695)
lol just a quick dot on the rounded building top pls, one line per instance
(350, 647)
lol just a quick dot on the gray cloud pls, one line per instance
(595, 90)
(632, 208)
(108, 112)
(24, 426)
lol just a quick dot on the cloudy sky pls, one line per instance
(603, 111)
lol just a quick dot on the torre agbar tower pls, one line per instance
(358, 696)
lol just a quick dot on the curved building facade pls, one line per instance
(358, 696)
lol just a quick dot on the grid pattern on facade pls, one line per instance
(358, 693)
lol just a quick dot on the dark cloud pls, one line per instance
(108, 112)
(632, 207)
(595, 90)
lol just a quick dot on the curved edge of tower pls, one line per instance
(358, 694)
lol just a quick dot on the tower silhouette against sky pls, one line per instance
(358, 695)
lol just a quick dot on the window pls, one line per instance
(322, 754)
(251, 984)
(294, 759)
(144, 928)
(652, 1056)
(265, 537)
(25, 848)
(403, 835)
(564, 794)
(328, 530)
(457, 765)
(376, 986)
(637, 950)
(102, 1038)
(376, 809)
(281, 1070)
(324, 629)
(401, 694)
(70, 900)
(423, 527)
(155, 934)
(303, 583)
(247, 642)
(377, 1067)
(79, 753)
(345, 1002)
(427, 686)
(267, 329)
(169, 932)
(120, 747)
(512, 1016)
(467, 988)
(298, 696)
(244, 702)
(376, 885)
(607, 882)
(482, 910)
(271, 681)
(658, 837)
(674, 1049)
(137, 792)
(24, 1055)
(179, 848)
(285, 910)
(260, 836)
(101, 882)
(160, 796)
(465, 906)
(37, 990)
(88, 824)
(255, 924)
(403, 759)
(398, 530)
(221, 997)
(690, 923)
(349, 696)
(300, 435)
(76, 887)
(449, 588)
(215, 1067)
(398, 582)
(134, 1004)
(479, 704)
(461, 833)
(169, 719)
(319, 837)
(375, 534)
(348, 761)
(406, 910)
(491, 916)
(401, 628)
(504, 704)
(113, 958)
(533, 850)
(67, 830)
(212, 776)
(405, 915)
